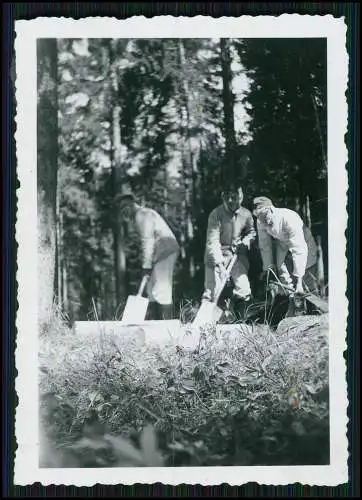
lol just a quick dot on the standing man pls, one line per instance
(286, 228)
(230, 227)
(160, 251)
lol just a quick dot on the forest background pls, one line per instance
(172, 118)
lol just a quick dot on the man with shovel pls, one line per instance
(160, 251)
(284, 229)
(230, 229)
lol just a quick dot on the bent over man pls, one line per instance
(286, 228)
(160, 251)
(229, 225)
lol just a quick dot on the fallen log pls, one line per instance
(165, 332)
(147, 332)
(309, 325)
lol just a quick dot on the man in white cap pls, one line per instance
(230, 227)
(286, 229)
(160, 251)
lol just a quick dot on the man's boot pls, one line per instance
(166, 311)
(241, 305)
(152, 311)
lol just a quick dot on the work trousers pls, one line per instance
(284, 264)
(239, 276)
(160, 284)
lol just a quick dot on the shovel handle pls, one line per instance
(142, 285)
(226, 277)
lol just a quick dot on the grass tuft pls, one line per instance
(249, 396)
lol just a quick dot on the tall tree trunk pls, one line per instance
(47, 156)
(184, 202)
(165, 179)
(318, 126)
(202, 185)
(307, 214)
(165, 192)
(117, 177)
(65, 285)
(188, 160)
(297, 204)
(59, 253)
(228, 101)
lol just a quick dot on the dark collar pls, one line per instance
(230, 213)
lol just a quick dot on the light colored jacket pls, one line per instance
(312, 247)
(289, 231)
(157, 239)
(223, 229)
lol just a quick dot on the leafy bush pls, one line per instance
(255, 397)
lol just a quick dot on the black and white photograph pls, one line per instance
(181, 265)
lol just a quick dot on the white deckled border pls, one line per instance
(285, 26)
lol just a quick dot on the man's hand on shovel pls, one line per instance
(235, 246)
(221, 270)
(145, 278)
(238, 244)
(147, 271)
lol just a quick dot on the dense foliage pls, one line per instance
(173, 118)
(250, 397)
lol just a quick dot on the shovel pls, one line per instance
(136, 306)
(209, 311)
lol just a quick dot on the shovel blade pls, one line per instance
(135, 310)
(208, 313)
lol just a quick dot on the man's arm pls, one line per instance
(265, 246)
(146, 226)
(249, 232)
(213, 243)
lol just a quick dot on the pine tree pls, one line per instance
(47, 140)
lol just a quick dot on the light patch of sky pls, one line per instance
(66, 75)
(240, 86)
(106, 125)
(215, 41)
(80, 47)
(136, 163)
(76, 100)
(78, 135)
(123, 64)
(173, 165)
(65, 57)
(101, 160)
(135, 167)
(205, 53)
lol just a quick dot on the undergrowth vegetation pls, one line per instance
(258, 398)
